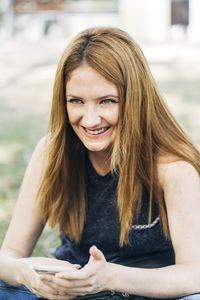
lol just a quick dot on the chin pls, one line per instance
(96, 148)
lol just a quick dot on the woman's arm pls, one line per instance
(26, 224)
(181, 186)
(16, 267)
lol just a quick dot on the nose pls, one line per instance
(91, 117)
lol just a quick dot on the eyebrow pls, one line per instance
(99, 98)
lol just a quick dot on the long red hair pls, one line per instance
(146, 130)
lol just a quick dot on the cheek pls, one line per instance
(113, 117)
(73, 116)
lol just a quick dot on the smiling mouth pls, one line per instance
(96, 131)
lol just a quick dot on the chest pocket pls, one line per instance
(146, 226)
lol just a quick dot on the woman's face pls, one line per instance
(93, 108)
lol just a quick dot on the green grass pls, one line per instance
(26, 89)
(17, 143)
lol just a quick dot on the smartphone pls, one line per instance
(51, 269)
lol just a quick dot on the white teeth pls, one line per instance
(96, 131)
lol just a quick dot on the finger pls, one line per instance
(80, 290)
(96, 254)
(52, 294)
(76, 266)
(63, 284)
(43, 290)
(82, 275)
(72, 275)
(68, 290)
(71, 287)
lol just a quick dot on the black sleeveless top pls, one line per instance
(148, 247)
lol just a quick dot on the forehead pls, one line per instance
(85, 78)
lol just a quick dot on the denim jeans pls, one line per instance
(8, 292)
(192, 297)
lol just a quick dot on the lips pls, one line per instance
(96, 131)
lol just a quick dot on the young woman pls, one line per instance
(118, 175)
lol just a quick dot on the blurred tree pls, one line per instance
(7, 16)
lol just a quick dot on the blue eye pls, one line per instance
(75, 101)
(108, 101)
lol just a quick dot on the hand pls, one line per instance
(91, 279)
(28, 277)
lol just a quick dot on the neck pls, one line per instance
(100, 162)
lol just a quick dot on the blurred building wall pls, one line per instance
(150, 20)
(194, 20)
(146, 20)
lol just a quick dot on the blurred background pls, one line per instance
(33, 35)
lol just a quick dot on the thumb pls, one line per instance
(96, 254)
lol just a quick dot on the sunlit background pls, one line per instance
(33, 35)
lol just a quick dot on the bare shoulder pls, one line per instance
(42, 141)
(172, 170)
(180, 182)
(39, 151)
(41, 145)
(35, 167)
